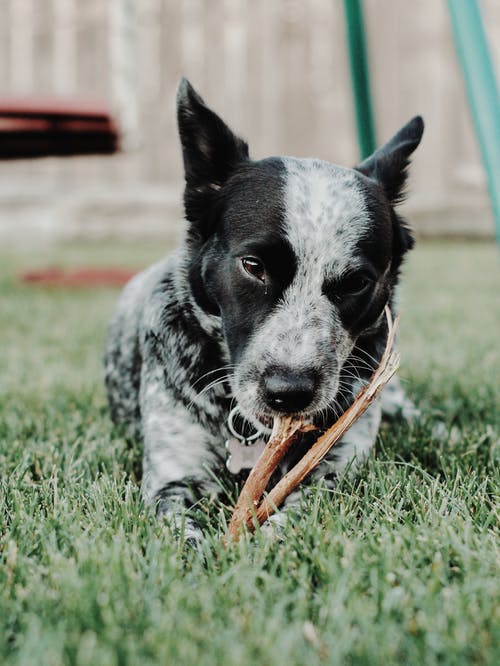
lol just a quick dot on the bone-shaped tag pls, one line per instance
(241, 455)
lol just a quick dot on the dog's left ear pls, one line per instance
(389, 164)
(209, 149)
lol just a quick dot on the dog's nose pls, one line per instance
(288, 391)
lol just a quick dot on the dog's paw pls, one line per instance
(274, 528)
(184, 529)
(396, 405)
(444, 433)
(192, 535)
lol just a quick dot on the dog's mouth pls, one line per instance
(248, 426)
(264, 422)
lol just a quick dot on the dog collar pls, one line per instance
(243, 451)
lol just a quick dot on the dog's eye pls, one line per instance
(351, 285)
(254, 267)
(354, 284)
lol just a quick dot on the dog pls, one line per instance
(273, 305)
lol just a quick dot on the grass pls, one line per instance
(398, 565)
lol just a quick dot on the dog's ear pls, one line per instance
(389, 164)
(209, 149)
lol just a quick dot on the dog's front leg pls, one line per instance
(178, 456)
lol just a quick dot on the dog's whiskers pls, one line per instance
(230, 366)
(369, 356)
(216, 382)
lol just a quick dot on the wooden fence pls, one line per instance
(275, 69)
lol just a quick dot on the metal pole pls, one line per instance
(360, 76)
(482, 91)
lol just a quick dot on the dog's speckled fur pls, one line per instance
(199, 332)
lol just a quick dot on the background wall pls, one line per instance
(276, 70)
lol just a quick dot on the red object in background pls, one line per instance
(38, 127)
(81, 277)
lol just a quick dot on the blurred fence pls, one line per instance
(275, 69)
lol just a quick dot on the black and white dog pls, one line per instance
(274, 304)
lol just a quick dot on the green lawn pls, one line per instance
(399, 565)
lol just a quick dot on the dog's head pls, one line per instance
(298, 258)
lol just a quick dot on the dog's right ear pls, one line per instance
(209, 149)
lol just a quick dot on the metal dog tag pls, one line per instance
(243, 455)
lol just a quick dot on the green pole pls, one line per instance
(482, 91)
(360, 76)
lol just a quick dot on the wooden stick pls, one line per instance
(250, 509)
(284, 433)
